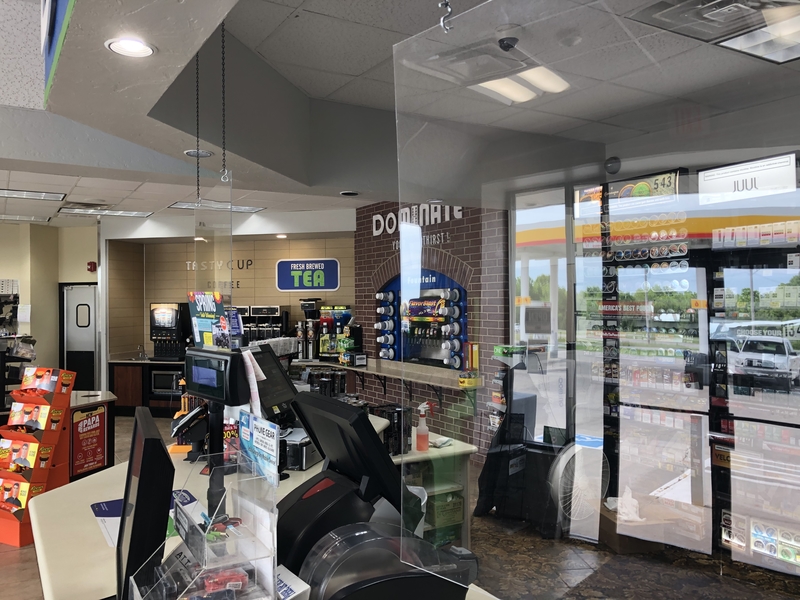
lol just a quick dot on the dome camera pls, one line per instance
(507, 44)
(613, 165)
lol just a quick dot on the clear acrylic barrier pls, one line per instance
(615, 197)
(213, 240)
(232, 547)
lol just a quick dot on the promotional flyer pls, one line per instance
(88, 440)
(258, 441)
(209, 322)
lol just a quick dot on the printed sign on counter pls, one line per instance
(88, 440)
(209, 322)
(312, 275)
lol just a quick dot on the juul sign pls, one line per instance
(421, 214)
(765, 177)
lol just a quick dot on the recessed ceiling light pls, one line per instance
(778, 43)
(510, 89)
(24, 218)
(215, 205)
(348, 193)
(281, 236)
(130, 47)
(23, 195)
(103, 212)
(194, 153)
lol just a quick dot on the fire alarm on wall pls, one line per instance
(91, 266)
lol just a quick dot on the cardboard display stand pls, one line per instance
(31, 458)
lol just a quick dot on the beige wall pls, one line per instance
(167, 278)
(125, 296)
(12, 252)
(44, 292)
(76, 247)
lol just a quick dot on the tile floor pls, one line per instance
(515, 563)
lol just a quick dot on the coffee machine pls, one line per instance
(170, 330)
(308, 329)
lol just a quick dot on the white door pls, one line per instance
(80, 335)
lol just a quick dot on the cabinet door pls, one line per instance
(128, 385)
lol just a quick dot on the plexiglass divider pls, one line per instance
(609, 231)
(213, 240)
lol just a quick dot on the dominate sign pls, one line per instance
(422, 214)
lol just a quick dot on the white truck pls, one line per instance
(768, 357)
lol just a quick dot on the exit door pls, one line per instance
(80, 334)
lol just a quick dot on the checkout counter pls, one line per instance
(76, 562)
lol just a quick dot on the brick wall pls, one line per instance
(473, 252)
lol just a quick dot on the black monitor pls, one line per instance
(145, 514)
(351, 447)
(276, 391)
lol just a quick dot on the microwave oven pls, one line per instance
(164, 382)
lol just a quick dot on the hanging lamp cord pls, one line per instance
(224, 149)
(197, 120)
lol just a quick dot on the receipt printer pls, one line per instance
(301, 454)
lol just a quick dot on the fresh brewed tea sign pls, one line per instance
(316, 274)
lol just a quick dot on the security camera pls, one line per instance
(507, 44)
(613, 165)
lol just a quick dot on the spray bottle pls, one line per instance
(422, 430)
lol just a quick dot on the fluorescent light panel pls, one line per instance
(25, 195)
(778, 43)
(214, 205)
(24, 218)
(545, 79)
(104, 212)
(524, 86)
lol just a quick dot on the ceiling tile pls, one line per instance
(366, 92)
(409, 16)
(33, 208)
(252, 21)
(3, 179)
(748, 91)
(166, 188)
(622, 7)
(664, 115)
(292, 3)
(328, 44)
(606, 63)
(315, 83)
(141, 205)
(103, 193)
(72, 221)
(702, 67)
(26, 178)
(457, 104)
(533, 121)
(664, 45)
(174, 197)
(273, 197)
(39, 187)
(22, 67)
(601, 101)
(487, 118)
(600, 133)
(109, 184)
(91, 199)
